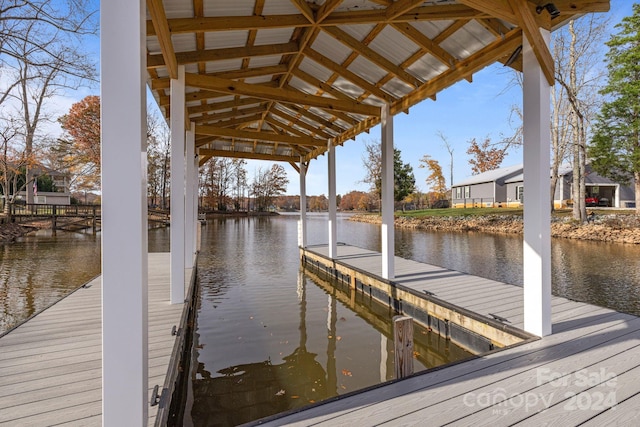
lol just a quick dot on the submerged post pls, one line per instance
(403, 345)
(302, 230)
(537, 216)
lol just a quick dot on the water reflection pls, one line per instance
(270, 337)
(39, 269)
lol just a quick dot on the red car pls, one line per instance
(591, 201)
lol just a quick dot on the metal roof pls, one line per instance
(492, 175)
(280, 79)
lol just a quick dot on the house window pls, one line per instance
(520, 193)
(458, 193)
(467, 191)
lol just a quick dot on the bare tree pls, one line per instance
(41, 57)
(449, 148)
(578, 50)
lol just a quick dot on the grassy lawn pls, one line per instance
(501, 211)
(461, 212)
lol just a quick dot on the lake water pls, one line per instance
(269, 339)
(290, 336)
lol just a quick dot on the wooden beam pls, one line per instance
(493, 8)
(527, 22)
(372, 55)
(206, 118)
(279, 95)
(295, 166)
(159, 23)
(250, 155)
(400, 7)
(305, 9)
(301, 123)
(231, 23)
(156, 61)
(260, 136)
(282, 127)
(428, 13)
(426, 43)
(236, 121)
(324, 87)
(466, 67)
(343, 72)
(206, 108)
(326, 9)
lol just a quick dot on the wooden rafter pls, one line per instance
(229, 23)
(259, 136)
(281, 95)
(353, 77)
(161, 27)
(372, 55)
(204, 108)
(246, 155)
(156, 61)
(400, 7)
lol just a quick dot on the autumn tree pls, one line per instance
(42, 55)
(435, 180)
(350, 201)
(80, 143)
(485, 156)
(615, 146)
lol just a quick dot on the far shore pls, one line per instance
(606, 226)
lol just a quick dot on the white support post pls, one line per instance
(537, 215)
(190, 215)
(331, 161)
(177, 187)
(124, 214)
(388, 234)
(196, 189)
(302, 227)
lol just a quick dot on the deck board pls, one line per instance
(587, 340)
(51, 366)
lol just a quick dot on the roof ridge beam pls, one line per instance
(280, 95)
(260, 136)
(184, 58)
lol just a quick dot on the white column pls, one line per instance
(388, 235)
(124, 214)
(190, 215)
(177, 187)
(196, 188)
(331, 161)
(537, 215)
(302, 228)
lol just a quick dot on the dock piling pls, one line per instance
(403, 345)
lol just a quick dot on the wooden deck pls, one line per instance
(50, 367)
(586, 372)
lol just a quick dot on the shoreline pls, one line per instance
(604, 228)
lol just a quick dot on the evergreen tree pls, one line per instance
(615, 146)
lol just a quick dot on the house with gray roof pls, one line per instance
(504, 187)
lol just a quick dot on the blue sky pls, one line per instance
(462, 112)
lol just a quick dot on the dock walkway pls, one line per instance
(51, 366)
(585, 373)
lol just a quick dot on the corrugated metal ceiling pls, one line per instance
(303, 72)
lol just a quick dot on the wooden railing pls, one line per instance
(38, 210)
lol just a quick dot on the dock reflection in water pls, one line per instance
(277, 341)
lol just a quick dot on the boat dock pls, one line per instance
(584, 373)
(51, 365)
